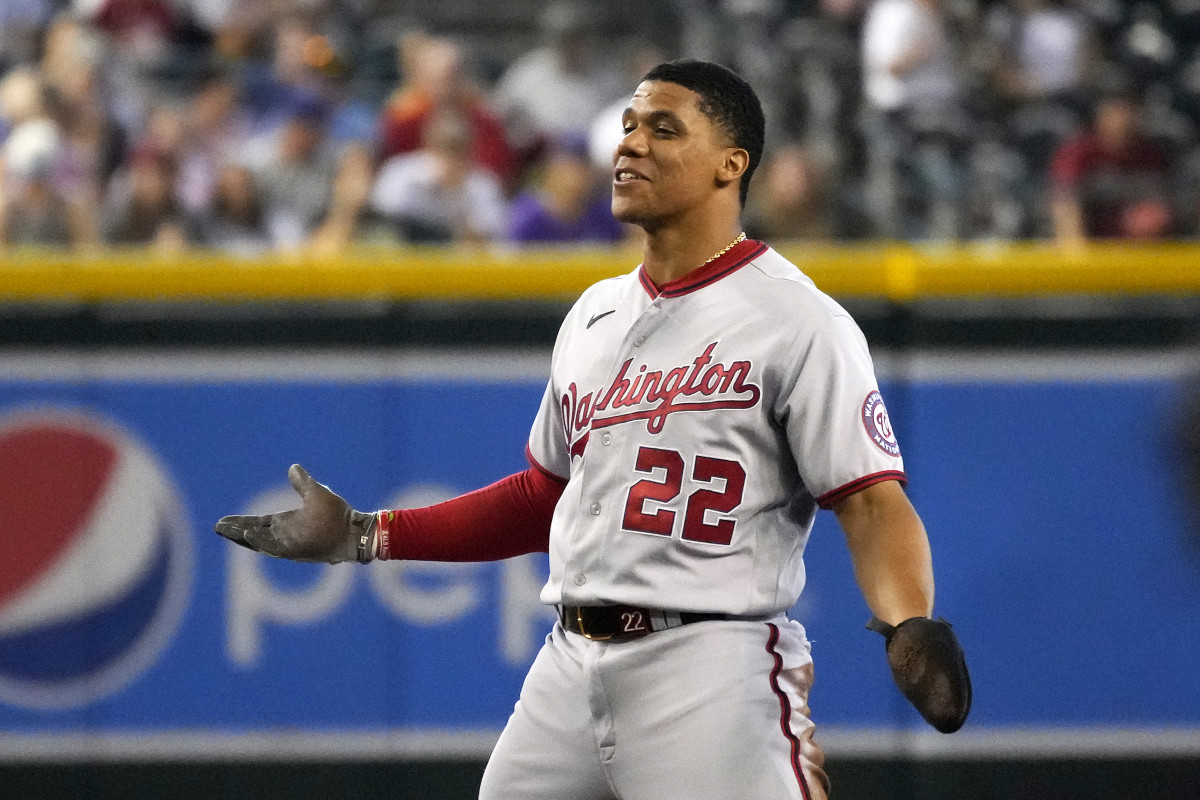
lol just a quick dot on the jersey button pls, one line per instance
(606, 438)
(580, 579)
(639, 341)
(595, 509)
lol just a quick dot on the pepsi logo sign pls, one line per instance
(97, 561)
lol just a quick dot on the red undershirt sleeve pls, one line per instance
(509, 518)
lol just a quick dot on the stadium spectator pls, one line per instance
(138, 36)
(912, 88)
(142, 29)
(437, 194)
(93, 119)
(32, 211)
(297, 169)
(1111, 181)
(233, 25)
(21, 24)
(22, 98)
(347, 202)
(165, 132)
(140, 208)
(909, 60)
(236, 223)
(920, 143)
(569, 203)
(436, 81)
(43, 200)
(556, 90)
(272, 90)
(788, 200)
(1046, 59)
(1046, 50)
(216, 128)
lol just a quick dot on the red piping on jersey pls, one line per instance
(650, 286)
(533, 462)
(785, 711)
(829, 498)
(727, 263)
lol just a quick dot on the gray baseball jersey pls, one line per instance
(700, 425)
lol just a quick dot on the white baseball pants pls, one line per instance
(709, 711)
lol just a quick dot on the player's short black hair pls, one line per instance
(727, 100)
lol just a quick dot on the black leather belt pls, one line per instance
(621, 623)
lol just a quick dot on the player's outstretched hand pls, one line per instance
(323, 528)
(930, 669)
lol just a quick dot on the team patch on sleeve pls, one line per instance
(879, 427)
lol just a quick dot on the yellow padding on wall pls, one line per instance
(894, 271)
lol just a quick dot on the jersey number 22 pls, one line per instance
(705, 470)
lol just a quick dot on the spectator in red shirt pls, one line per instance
(1110, 182)
(143, 29)
(436, 80)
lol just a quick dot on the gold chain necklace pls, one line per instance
(740, 237)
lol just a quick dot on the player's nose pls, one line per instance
(632, 145)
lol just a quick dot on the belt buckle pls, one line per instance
(583, 632)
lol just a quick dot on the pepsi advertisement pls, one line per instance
(1062, 546)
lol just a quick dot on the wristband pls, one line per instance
(383, 531)
(366, 546)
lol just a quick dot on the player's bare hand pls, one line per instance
(324, 527)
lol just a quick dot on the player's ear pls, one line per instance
(736, 162)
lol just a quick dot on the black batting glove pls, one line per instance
(324, 528)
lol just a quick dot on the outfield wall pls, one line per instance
(1045, 479)
(150, 650)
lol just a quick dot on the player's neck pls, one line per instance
(670, 253)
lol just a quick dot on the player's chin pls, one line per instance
(629, 210)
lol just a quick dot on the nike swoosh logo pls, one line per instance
(599, 317)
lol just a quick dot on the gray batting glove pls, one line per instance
(324, 527)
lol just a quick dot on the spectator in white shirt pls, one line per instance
(438, 194)
(916, 136)
(908, 57)
(1047, 50)
(556, 90)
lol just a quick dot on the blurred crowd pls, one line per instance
(251, 126)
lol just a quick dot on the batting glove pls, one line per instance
(324, 527)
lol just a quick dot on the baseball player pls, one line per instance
(700, 409)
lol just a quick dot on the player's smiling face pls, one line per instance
(670, 158)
